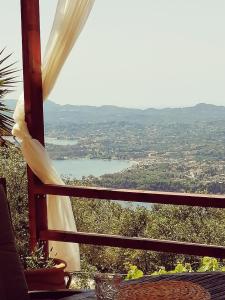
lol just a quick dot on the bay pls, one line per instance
(77, 168)
(84, 167)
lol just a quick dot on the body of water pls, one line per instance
(85, 167)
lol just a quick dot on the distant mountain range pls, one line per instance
(58, 114)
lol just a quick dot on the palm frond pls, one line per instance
(8, 79)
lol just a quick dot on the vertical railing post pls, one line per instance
(33, 99)
(3, 183)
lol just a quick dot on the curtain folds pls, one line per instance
(70, 18)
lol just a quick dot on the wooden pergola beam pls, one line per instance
(33, 99)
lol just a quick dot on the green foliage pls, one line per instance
(13, 169)
(84, 279)
(7, 81)
(179, 268)
(210, 264)
(161, 221)
(181, 223)
(109, 217)
(37, 260)
(207, 264)
(134, 273)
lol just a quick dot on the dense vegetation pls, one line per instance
(168, 222)
(13, 168)
(173, 154)
(164, 222)
(134, 141)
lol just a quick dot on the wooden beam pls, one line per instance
(33, 100)
(134, 243)
(217, 201)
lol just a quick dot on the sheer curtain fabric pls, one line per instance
(70, 17)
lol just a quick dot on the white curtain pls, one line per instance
(70, 18)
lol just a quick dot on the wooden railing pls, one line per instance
(215, 201)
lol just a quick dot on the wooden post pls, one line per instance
(33, 99)
(3, 183)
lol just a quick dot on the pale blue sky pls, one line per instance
(136, 53)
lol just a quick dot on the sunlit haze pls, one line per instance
(136, 53)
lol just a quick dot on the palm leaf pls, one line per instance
(8, 79)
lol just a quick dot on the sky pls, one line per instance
(135, 53)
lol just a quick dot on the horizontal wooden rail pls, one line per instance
(216, 201)
(134, 243)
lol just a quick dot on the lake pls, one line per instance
(77, 168)
(85, 167)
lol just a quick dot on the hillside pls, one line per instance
(110, 132)
(64, 114)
